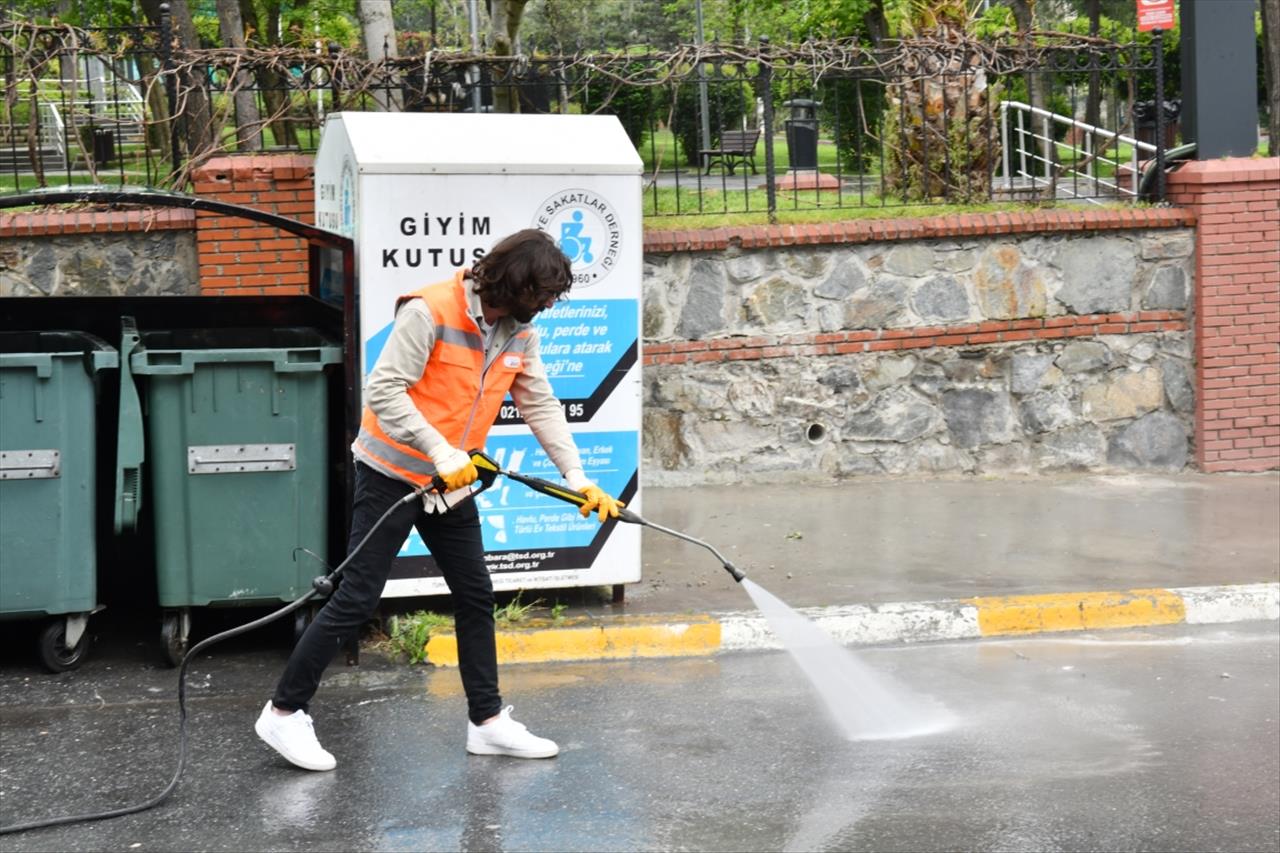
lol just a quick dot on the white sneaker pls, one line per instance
(504, 736)
(294, 738)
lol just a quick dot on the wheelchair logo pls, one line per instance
(586, 228)
(575, 244)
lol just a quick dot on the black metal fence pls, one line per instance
(721, 129)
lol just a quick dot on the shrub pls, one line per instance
(728, 101)
(852, 112)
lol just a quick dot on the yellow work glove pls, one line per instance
(599, 501)
(453, 466)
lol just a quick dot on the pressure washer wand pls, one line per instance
(489, 469)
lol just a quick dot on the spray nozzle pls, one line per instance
(734, 571)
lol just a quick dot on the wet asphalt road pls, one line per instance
(1162, 739)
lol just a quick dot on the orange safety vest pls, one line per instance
(458, 393)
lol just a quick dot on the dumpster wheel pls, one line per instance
(175, 632)
(54, 653)
(302, 619)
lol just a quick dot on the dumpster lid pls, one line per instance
(51, 341)
(480, 143)
(32, 347)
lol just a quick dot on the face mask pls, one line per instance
(523, 315)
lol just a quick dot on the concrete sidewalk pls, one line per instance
(895, 560)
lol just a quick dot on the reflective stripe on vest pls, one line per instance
(456, 394)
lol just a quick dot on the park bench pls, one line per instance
(736, 146)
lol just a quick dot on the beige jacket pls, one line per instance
(404, 358)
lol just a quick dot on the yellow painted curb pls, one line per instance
(1077, 611)
(629, 638)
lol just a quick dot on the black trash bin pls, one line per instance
(1144, 121)
(104, 146)
(802, 133)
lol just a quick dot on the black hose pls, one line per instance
(319, 583)
(1172, 156)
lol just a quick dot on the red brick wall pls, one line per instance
(1237, 309)
(240, 257)
(968, 334)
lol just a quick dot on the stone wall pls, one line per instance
(140, 253)
(989, 354)
(1018, 341)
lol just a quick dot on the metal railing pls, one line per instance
(1082, 169)
(112, 99)
(839, 125)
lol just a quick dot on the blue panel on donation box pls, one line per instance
(580, 342)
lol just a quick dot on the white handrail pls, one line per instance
(57, 136)
(1089, 150)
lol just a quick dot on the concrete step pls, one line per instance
(18, 159)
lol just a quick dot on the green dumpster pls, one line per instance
(48, 460)
(237, 451)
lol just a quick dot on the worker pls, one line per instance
(456, 349)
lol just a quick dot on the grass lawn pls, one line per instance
(798, 214)
(733, 195)
(107, 176)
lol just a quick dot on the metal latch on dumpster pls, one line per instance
(240, 458)
(30, 464)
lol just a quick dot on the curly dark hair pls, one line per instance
(522, 273)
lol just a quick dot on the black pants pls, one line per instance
(455, 543)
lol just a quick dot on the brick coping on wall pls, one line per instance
(753, 348)
(923, 228)
(95, 221)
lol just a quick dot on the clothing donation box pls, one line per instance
(422, 194)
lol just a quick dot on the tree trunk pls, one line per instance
(248, 121)
(194, 117)
(1271, 63)
(379, 44)
(556, 19)
(936, 127)
(876, 24)
(1093, 100)
(1024, 12)
(274, 86)
(504, 23)
(158, 127)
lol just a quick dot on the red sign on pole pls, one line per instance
(1155, 15)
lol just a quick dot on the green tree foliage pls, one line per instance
(633, 105)
(555, 26)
